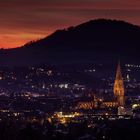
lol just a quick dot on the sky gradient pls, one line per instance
(25, 20)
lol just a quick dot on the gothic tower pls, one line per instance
(119, 87)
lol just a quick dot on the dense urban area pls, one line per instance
(68, 102)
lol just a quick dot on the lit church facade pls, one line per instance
(119, 95)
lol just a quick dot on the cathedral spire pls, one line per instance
(119, 86)
(119, 73)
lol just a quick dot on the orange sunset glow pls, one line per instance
(17, 40)
(26, 20)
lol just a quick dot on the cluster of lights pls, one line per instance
(134, 106)
(4, 111)
(92, 70)
(64, 118)
(59, 86)
(133, 66)
(34, 95)
(63, 85)
(61, 115)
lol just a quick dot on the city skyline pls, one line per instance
(23, 21)
(69, 69)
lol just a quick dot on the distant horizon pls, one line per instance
(36, 39)
(26, 20)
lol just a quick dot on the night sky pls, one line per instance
(25, 20)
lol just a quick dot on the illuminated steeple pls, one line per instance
(119, 87)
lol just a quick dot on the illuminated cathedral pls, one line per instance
(119, 96)
(119, 87)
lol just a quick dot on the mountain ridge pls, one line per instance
(89, 41)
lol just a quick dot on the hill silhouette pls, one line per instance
(93, 41)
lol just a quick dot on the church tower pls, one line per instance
(119, 87)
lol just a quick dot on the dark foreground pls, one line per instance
(102, 130)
